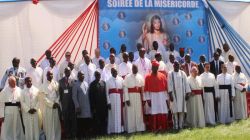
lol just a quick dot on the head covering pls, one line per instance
(112, 55)
(176, 62)
(155, 63)
(142, 49)
(182, 49)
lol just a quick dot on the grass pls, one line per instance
(239, 130)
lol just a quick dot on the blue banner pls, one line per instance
(182, 22)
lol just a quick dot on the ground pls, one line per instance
(239, 130)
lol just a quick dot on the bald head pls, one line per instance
(194, 71)
(12, 81)
(97, 52)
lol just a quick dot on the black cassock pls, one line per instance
(98, 104)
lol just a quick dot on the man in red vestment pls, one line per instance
(156, 97)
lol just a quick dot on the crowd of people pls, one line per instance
(129, 92)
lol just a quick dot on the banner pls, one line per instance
(182, 22)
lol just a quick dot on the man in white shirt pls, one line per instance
(226, 95)
(114, 92)
(131, 57)
(64, 64)
(226, 52)
(136, 53)
(221, 58)
(170, 63)
(16, 71)
(154, 51)
(178, 89)
(143, 63)
(210, 88)
(73, 73)
(162, 66)
(88, 69)
(240, 101)
(122, 50)
(12, 127)
(171, 51)
(231, 64)
(133, 97)
(117, 59)
(97, 57)
(125, 67)
(45, 62)
(195, 111)
(84, 53)
(51, 121)
(36, 73)
(53, 68)
(106, 74)
(30, 108)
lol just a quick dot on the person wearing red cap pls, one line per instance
(181, 58)
(178, 87)
(156, 97)
(143, 63)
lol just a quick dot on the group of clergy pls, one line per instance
(129, 92)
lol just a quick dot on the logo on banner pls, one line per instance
(202, 39)
(189, 33)
(176, 39)
(188, 16)
(122, 34)
(121, 15)
(176, 21)
(200, 22)
(106, 45)
(189, 51)
(105, 26)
